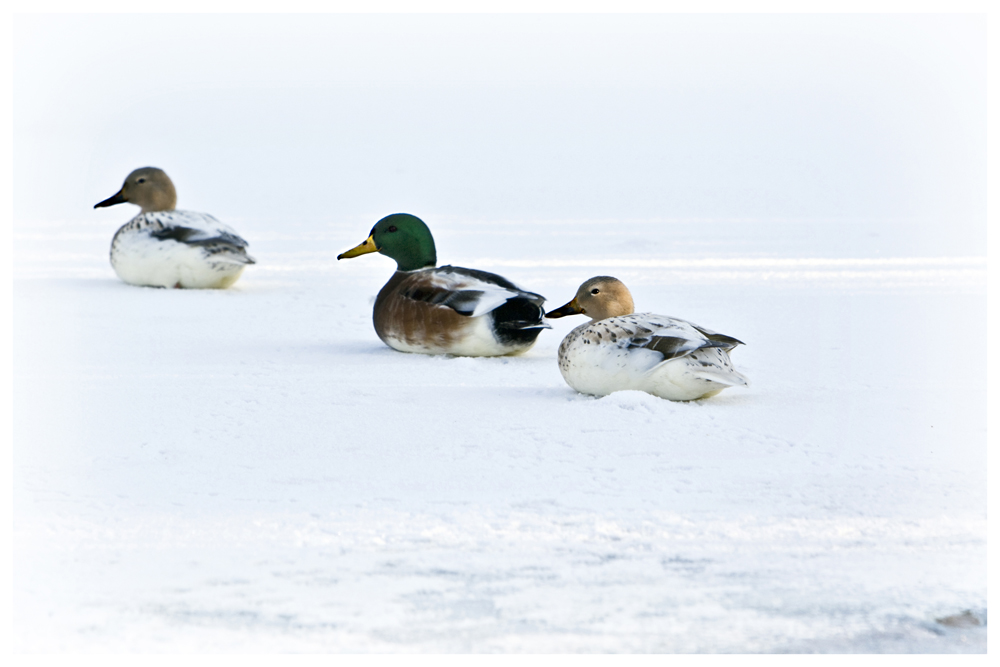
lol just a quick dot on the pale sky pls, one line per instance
(508, 116)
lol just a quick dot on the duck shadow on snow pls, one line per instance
(116, 285)
(631, 399)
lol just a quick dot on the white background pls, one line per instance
(253, 470)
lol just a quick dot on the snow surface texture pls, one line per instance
(252, 470)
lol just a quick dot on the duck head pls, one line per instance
(403, 237)
(148, 188)
(599, 298)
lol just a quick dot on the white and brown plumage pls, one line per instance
(618, 349)
(428, 309)
(163, 247)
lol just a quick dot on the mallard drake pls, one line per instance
(619, 349)
(429, 309)
(162, 247)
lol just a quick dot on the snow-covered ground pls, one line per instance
(252, 470)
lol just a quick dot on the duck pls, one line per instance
(620, 349)
(430, 309)
(164, 247)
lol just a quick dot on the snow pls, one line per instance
(252, 470)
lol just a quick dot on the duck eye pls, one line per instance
(595, 291)
(141, 180)
(392, 228)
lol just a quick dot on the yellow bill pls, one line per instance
(363, 249)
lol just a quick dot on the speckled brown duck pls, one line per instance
(620, 349)
(429, 309)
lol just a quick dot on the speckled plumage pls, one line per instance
(178, 249)
(618, 349)
(664, 356)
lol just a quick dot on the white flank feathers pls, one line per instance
(615, 354)
(178, 249)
